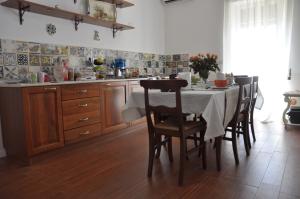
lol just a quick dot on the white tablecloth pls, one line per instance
(209, 103)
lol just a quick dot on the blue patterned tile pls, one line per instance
(22, 59)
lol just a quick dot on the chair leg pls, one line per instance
(158, 146)
(234, 146)
(248, 133)
(204, 162)
(218, 142)
(182, 159)
(170, 150)
(246, 141)
(252, 127)
(195, 140)
(151, 155)
(202, 149)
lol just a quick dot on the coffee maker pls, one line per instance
(120, 67)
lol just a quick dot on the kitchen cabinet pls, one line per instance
(37, 119)
(114, 97)
(132, 87)
(43, 119)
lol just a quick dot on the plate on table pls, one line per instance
(215, 87)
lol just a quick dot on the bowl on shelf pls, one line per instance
(221, 83)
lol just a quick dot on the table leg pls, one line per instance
(287, 99)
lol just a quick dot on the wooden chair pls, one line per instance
(177, 127)
(241, 116)
(254, 92)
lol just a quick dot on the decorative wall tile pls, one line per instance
(1, 72)
(77, 51)
(184, 57)
(46, 60)
(173, 64)
(10, 59)
(22, 46)
(34, 47)
(49, 49)
(64, 50)
(1, 60)
(47, 69)
(88, 52)
(10, 72)
(22, 72)
(9, 46)
(141, 56)
(34, 59)
(168, 58)
(162, 58)
(22, 59)
(185, 64)
(34, 69)
(176, 57)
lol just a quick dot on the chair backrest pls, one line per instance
(254, 87)
(244, 95)
(176, 112)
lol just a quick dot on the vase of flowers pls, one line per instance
(203, 63)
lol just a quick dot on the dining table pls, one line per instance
(216, 105)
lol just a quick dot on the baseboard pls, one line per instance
(2, 153)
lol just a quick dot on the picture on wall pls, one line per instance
(102, 10)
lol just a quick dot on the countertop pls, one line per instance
(16, 85)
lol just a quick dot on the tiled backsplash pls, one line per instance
(17, 58)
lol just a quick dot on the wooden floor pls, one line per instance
(115, 167)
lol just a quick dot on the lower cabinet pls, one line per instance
(114, 97)
(43, 118)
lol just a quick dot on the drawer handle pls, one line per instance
(85, 133)
(108, 84)
(50, 89)
(83, 119)
(83, 105)
(83, 91)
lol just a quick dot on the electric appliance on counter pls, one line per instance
(120, 67)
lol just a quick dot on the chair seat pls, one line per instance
(169, 126)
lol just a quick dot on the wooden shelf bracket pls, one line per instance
(77, 21)
(22, 10)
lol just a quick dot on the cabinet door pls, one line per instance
(134, 86)
(43, 121)
(113, 99)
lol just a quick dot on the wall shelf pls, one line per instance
(118, 3)
(23, 6)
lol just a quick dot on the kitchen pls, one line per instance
(159, 41)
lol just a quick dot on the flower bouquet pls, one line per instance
(202, 64)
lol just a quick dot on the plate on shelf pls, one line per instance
(13, 81)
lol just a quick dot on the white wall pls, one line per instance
(147, 16)
(194, 26)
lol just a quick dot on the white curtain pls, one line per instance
(257, 37)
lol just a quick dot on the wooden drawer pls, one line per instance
(81, 119)
(81, 106)
(82, 133)
(80, 91)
